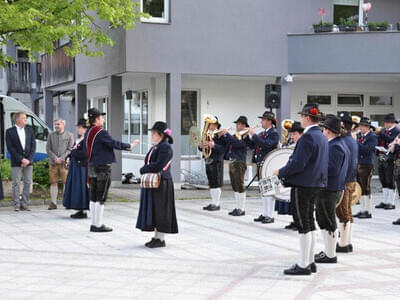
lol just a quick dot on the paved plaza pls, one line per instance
(47, 255)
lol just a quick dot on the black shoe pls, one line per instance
(79, 215)
(207, 207)
(321, 258)
(155, 243)
(313, 267)
(344, 249)
(297, 270)
(214, 207)
(397, 222)
(259, 219)
(290, 226)
(238, 213)
(16, 208)
(389, 206)
(365, 215)
(357, 215)
(380, 205)
(102, 228)
(268, 220)
(25, 208)
(233, 212)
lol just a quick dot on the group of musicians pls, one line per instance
(332, 157)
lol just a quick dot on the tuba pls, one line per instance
(207, 135)
(286, 125)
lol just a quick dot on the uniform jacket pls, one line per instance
(80, 154)
(219, 149)
(14, 146)
(263, 143)
(338, 164)
(237, 149)
(366, 148)
(353, 158)
(308, 165)
(385, 137)
(161, 154)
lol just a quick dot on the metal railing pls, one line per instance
(23, 77)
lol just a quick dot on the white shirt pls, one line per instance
(308, 128)
(21, 135)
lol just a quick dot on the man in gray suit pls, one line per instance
(21, 145)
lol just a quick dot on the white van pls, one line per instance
(8, 107)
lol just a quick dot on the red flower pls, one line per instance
(313, 111)
(321, 12)
(276, 120)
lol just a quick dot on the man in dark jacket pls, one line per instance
(263, 143)
(307, 172)
(21, 145)
(366, 141)
(100, 149)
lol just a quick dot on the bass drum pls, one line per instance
(276, 159)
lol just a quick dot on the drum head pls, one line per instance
(276, 159)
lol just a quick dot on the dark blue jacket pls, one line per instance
(308, 165)
(80, 154)
(237, 149)
(338, 164)
(103, 148)
(263, 143)
(385, 137)
(396, 152)
(161, 154)
(219, 149)
(14, 146)
(353, 151)
(366, 148)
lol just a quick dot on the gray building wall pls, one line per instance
(385, 10)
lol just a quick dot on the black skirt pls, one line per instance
(157, 209)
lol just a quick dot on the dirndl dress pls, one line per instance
(76, 192)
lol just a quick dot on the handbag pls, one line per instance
(152, 180)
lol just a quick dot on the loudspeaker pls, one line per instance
(272, 96)
(128, 95)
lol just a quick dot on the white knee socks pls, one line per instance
(99, 214)
(242, 201)
(265, 206)
(390, 196)
(159, 235)
(312, 246)
(268, 206)
(305, 248)
(385, 195)
(330, 243)
(215, 196)
(54, 193)
(92, 208)
(345, 234)
(368, 204)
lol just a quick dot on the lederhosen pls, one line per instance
(215, 167)
(99, 176)
(325, 209)
(364, 173)
(237, 171)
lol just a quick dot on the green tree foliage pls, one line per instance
(35, 25)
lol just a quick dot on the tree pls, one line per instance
(35, 25)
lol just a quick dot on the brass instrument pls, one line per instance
(207, 135)
(355, 119)
(286, 126)
(240, 134)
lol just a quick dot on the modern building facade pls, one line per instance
(215, 57)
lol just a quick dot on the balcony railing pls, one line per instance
(57, 68)
(23, 77)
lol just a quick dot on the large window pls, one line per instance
(350, 100)
(189, 119)
(380, 100)
(345, 9)
(319, 99)
(135, 123)
(157, 9)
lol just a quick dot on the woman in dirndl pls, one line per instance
(157, 205)
(76, 193)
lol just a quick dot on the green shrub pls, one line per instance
(41, 174)
(347, 22)
(5, 169)
(322, 24)
(374, 25)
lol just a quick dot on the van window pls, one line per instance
(40, 131)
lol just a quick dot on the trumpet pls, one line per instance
(240, 134)
(286, 126)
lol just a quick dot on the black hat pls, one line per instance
(243, 120)
(296, 127)
(82, 122)
(162, 127)
(366, 122)
(390, 118)
(310, 110)
(333, 123)
(218, 122)
(345, 116)
(269, 115)
(94, 113)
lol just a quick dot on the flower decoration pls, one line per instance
(168, 131)
(321, 12)
(313, 111)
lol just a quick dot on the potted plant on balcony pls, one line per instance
(322, 26)
(347, 25)
(378, 26)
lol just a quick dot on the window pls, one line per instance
(345, 9)
(380, 100)
(189, 119)
(135, 123)
(319, 99)
(39, 130)
(378, 119)
(157, 9)
(350, 100)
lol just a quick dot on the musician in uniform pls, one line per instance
(394, 147)
(100, 149)
(326, 204)
(237, 152)
(366, 142)
(263, 143)
(214, 164)
(307, 173)
(343, 211)
(295, 133)
(386, 161)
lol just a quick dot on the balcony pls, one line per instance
(58, 68)
(23, 77)
(355, 52)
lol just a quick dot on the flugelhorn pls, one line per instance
(286, 126)
(207, 135)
